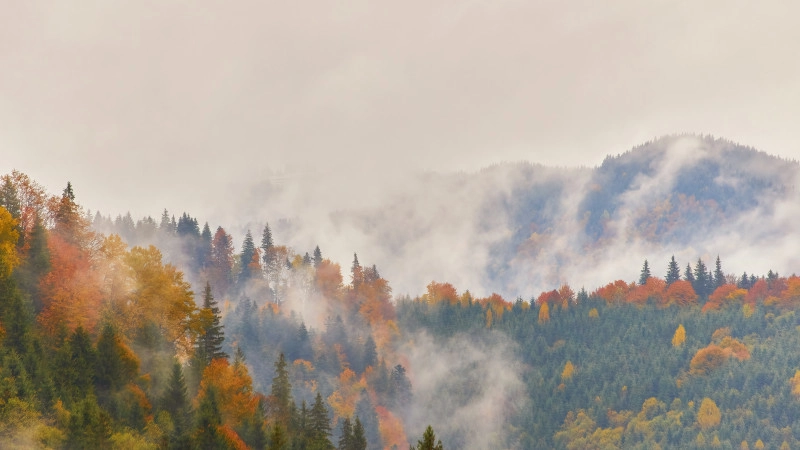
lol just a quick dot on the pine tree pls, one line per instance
(370, 352)
(116, 365)
(357, 273)
(89, 426)
(277, 438)
(346, 439)
(209, 343)
(367, 422)
(400, 387)
(359, 439)
(719, 276)
(319, 425)
(673, 271)
(306, 260)
(281, 394)
(204, 249)
(248, 250)
(317, 257)
(429, 441)
(645, 274)
(176, 402)
(266, 246)
(687, 274)
(209, 419)
(702, 279)
(744, 282)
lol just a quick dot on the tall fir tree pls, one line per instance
(346, 437)
(175, 401)
(207, 435)
(719, 276)
(317, 257)
(319, 426)
(673, 271)
(209, 343)
(429, 441)
(702, 279)
(645, 273)
(359, 441)
(688, 275)
(246, 257)
(281, 394)
(267, 245)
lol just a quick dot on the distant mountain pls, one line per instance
(516, 228)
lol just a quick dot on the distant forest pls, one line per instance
(161, 334)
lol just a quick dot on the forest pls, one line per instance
(160, 333)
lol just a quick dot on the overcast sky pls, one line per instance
(152, 104)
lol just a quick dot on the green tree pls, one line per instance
(209, 343)
(644, 274)
(319, 426)
(277, 438)
(702, 280)
(206, 433)
(359, 438)
(248, 250)
(719, 276)
(9, 199)
(688, 275)
(346, 439)
(267, 246)
(116, 364)
(175, 401)
(317, 257)
(281, 394)
(89, 426)
(428, 441)
(673, 271)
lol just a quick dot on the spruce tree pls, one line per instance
(248, 250)
(702, 279)
(429, 441)
(673, 271)
(209, 343)
(346, 439)
(266, 246)
(209, 419)
(359, 437)
(281, 393)
(687, 274)
(645, 274)
(319, 425)
(719, 276)
(175, 401)
(317, 257)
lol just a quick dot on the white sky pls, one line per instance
(151, 104)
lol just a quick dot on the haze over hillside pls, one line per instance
(520, 228)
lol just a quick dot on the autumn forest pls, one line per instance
(163, 333)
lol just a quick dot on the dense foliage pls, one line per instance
(104, 343)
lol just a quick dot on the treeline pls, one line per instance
(648, 364)
(105, 345)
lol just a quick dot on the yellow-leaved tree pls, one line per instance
(680, 336)
(708, 416)
(544, 313)
(8, 240)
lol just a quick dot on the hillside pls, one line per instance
(165, 333)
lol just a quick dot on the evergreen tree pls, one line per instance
(429, 441)
(719, 276)
(281, 394)
(356, 274)
(209, 343)
(317, 257)
(346, 439)
(176, 402)
(165, 226)
(370, 353)
(206, 434)
(74, 366)
(277, 438)
(266, 247)
(400, 387)
(645, 273)
(306, 260)
(116, 365)
(688, 275)
(744, 282)
(89, 426)
(673, 271)
(359, 439)
(248, 250)
(319, 425)
(702, 279)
